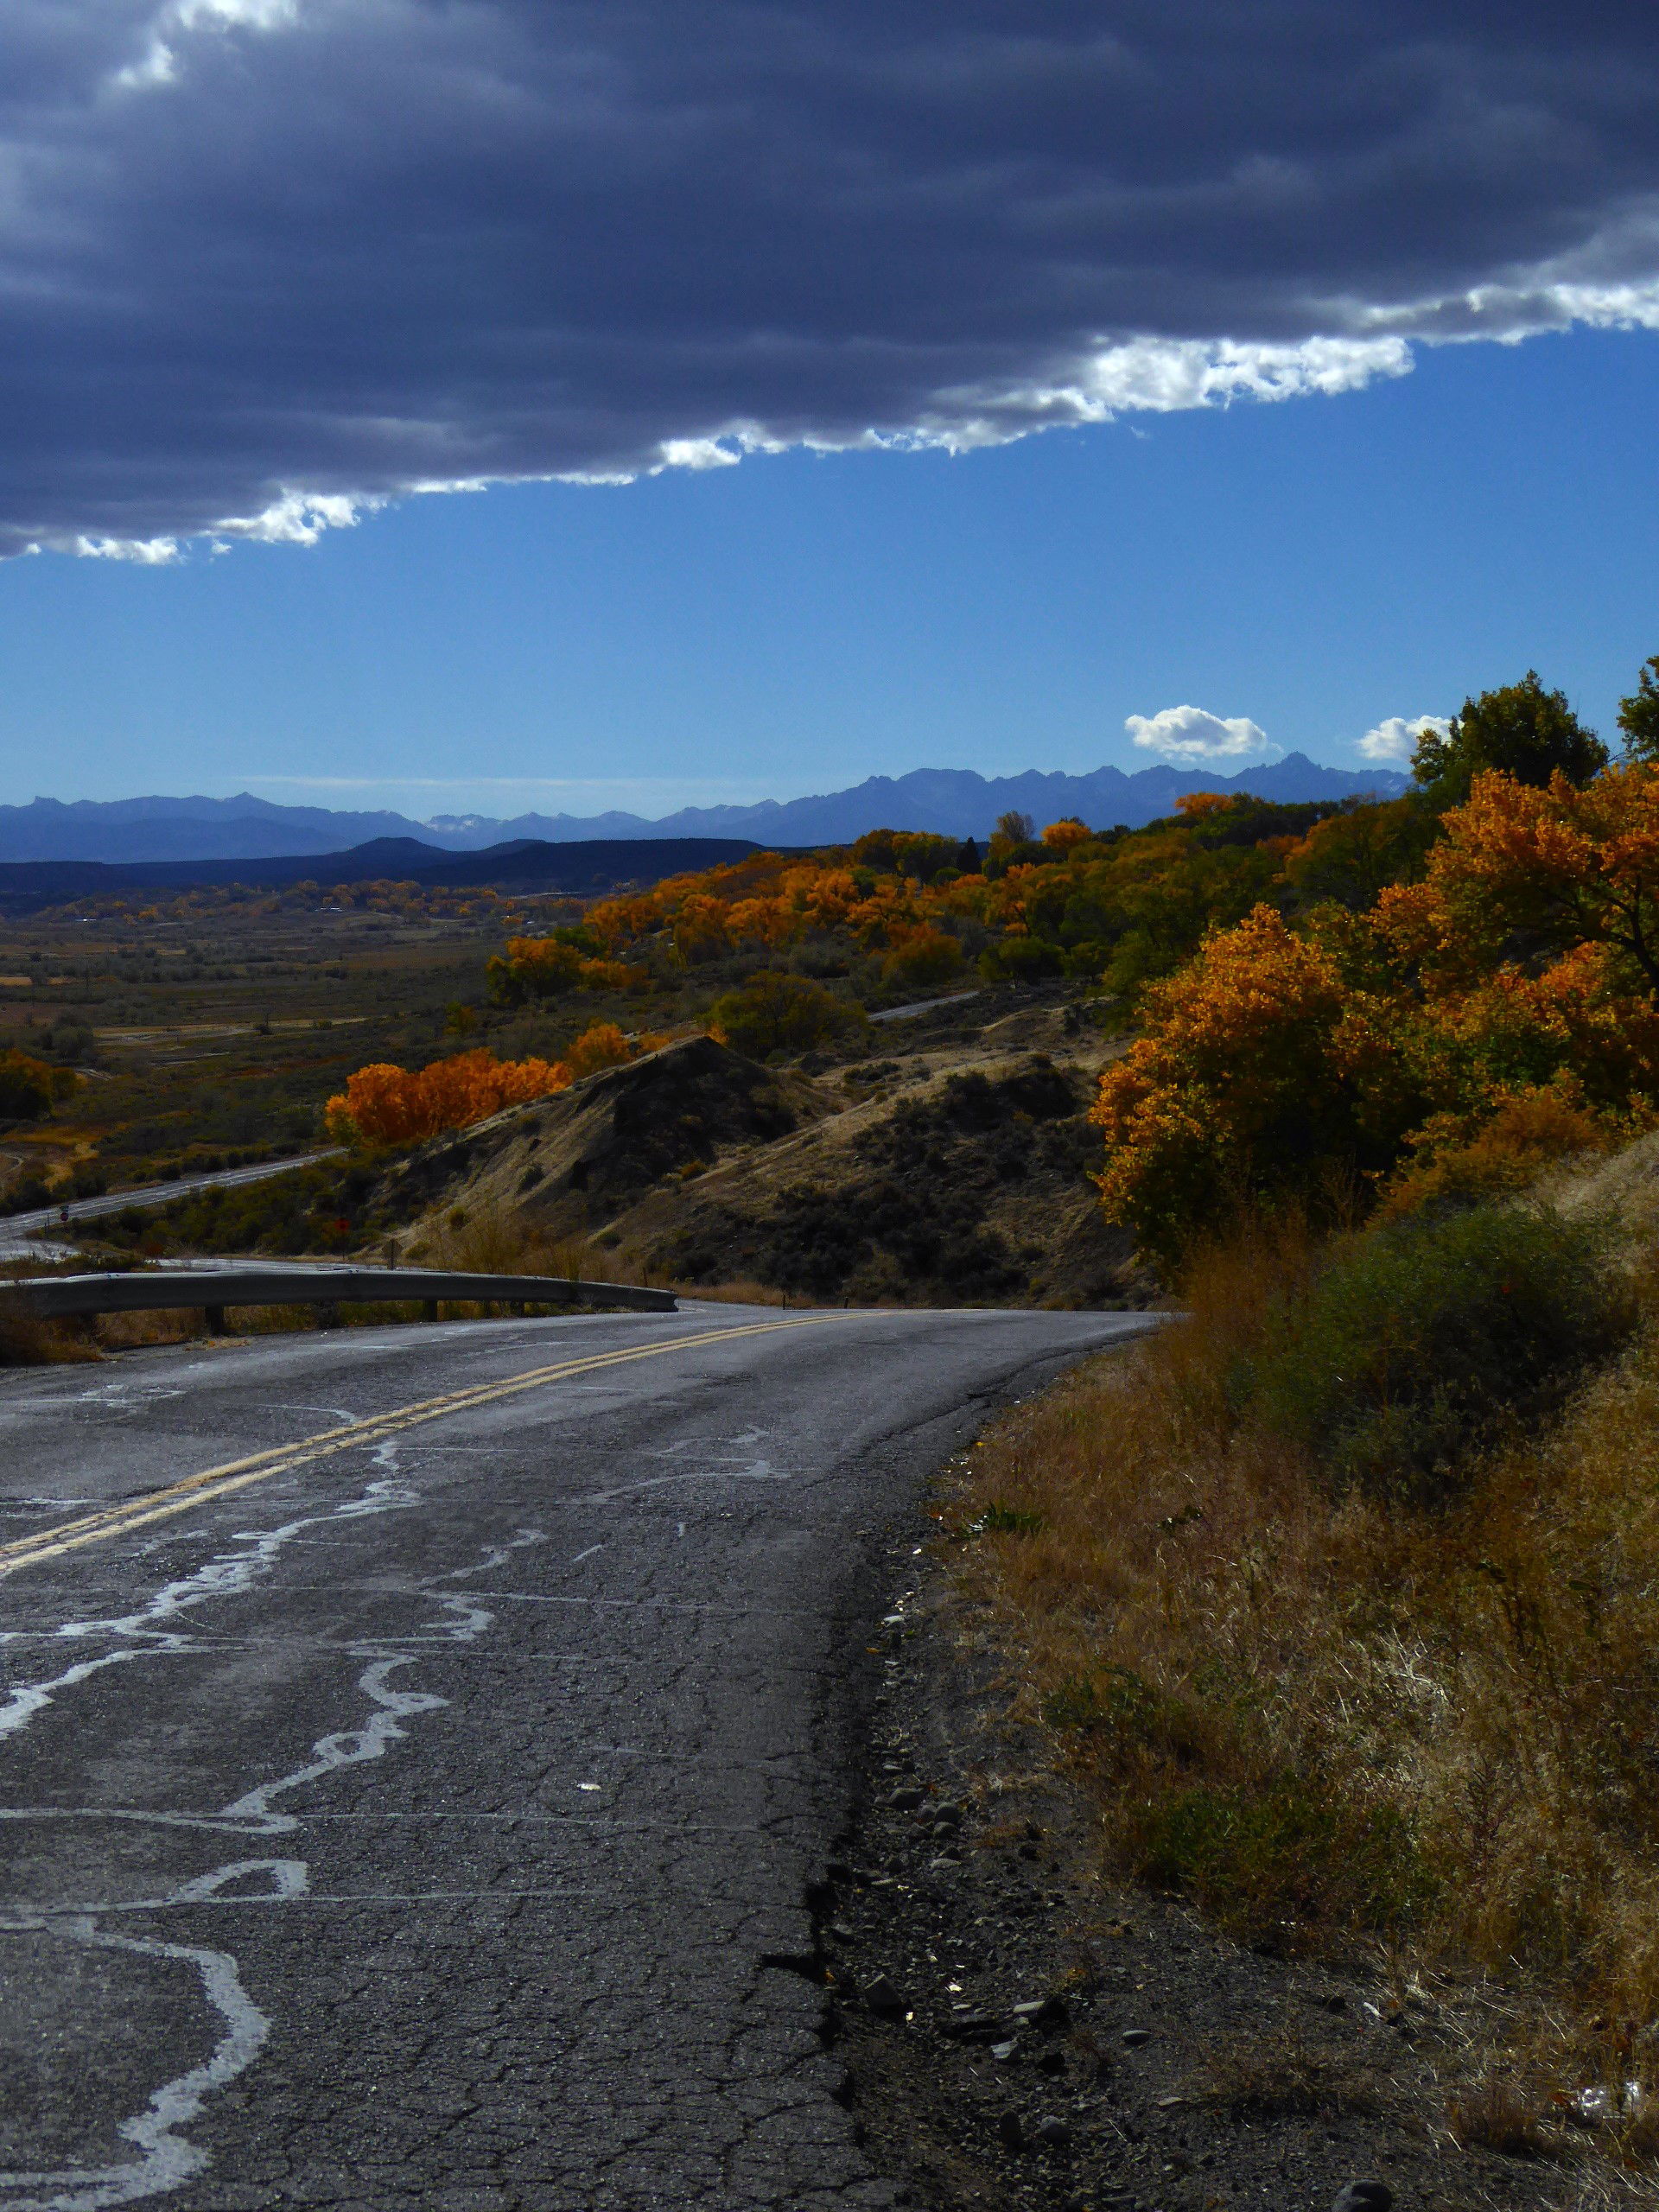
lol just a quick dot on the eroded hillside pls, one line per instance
(951, 1166)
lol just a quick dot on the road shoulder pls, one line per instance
(1015, 2033)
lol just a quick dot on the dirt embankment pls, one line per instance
(951, 1167)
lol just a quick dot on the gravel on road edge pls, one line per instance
(1014, 2033)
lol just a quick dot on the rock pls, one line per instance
(841, 1932)
(947, 1816)
(1052, 2061)
(880, 1996)
(1053, 2134)
(1132, 2039)
(1012, 2131)
(1364, 2196)
(905, 1799)
(1042, 2012)
(1003, 2049)
(971, 2027)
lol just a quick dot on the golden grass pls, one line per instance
(1335, 1721)
(26, 1341)
(499, 1240)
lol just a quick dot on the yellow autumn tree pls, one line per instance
(1262, 1071)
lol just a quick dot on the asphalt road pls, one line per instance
(403, 1815)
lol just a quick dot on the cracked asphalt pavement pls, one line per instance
(407, 1818)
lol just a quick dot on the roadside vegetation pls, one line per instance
(1340, 1597)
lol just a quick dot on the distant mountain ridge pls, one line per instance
(576, 866)
(958, 802)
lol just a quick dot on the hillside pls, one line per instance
(951, 1167)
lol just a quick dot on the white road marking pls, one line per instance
(168, 2158)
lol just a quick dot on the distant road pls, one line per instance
(15, 1229)
(418, 1742)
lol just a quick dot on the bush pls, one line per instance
(775, 1012)
(1424, 1339)
(28, 1088)
(27, 1195)
(1502, 1156)
(925, 959)
(1021, 960)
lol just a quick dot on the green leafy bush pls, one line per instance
(1424, 1339)
(776, 1012)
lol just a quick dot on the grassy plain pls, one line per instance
(209, 1034)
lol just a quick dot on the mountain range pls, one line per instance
(956, 802)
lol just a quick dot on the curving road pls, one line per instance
(417, 1741)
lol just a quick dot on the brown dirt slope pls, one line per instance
(954, 1170)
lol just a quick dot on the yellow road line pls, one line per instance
(281, 1458)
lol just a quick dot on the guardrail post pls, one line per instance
(429, 1309)
(216, 1321)
(327, 1314)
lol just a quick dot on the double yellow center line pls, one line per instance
(259, 1466)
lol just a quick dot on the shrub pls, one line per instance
(926, 957)
(1423, 1339)
(27, 1195)
(1021, 960)
(1530, 1130)
(28, 1088)
(775, 1012)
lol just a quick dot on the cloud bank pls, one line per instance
(1395, 739)
(264, 264)
(1188, 734)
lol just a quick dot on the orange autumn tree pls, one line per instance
(1263, 1071)
(1521, 869)
(385, 1104)
(1504, 1008)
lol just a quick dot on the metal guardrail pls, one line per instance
(54, 1297)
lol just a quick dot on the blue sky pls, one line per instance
(279, 277)
(799, 621)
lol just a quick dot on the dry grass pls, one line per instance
(498, 1240)
(26, 1341)
(1333, 1719)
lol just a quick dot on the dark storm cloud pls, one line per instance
(260, 259)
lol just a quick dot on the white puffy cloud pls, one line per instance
(266, 264)
(1188, 735)
(1395, 739)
